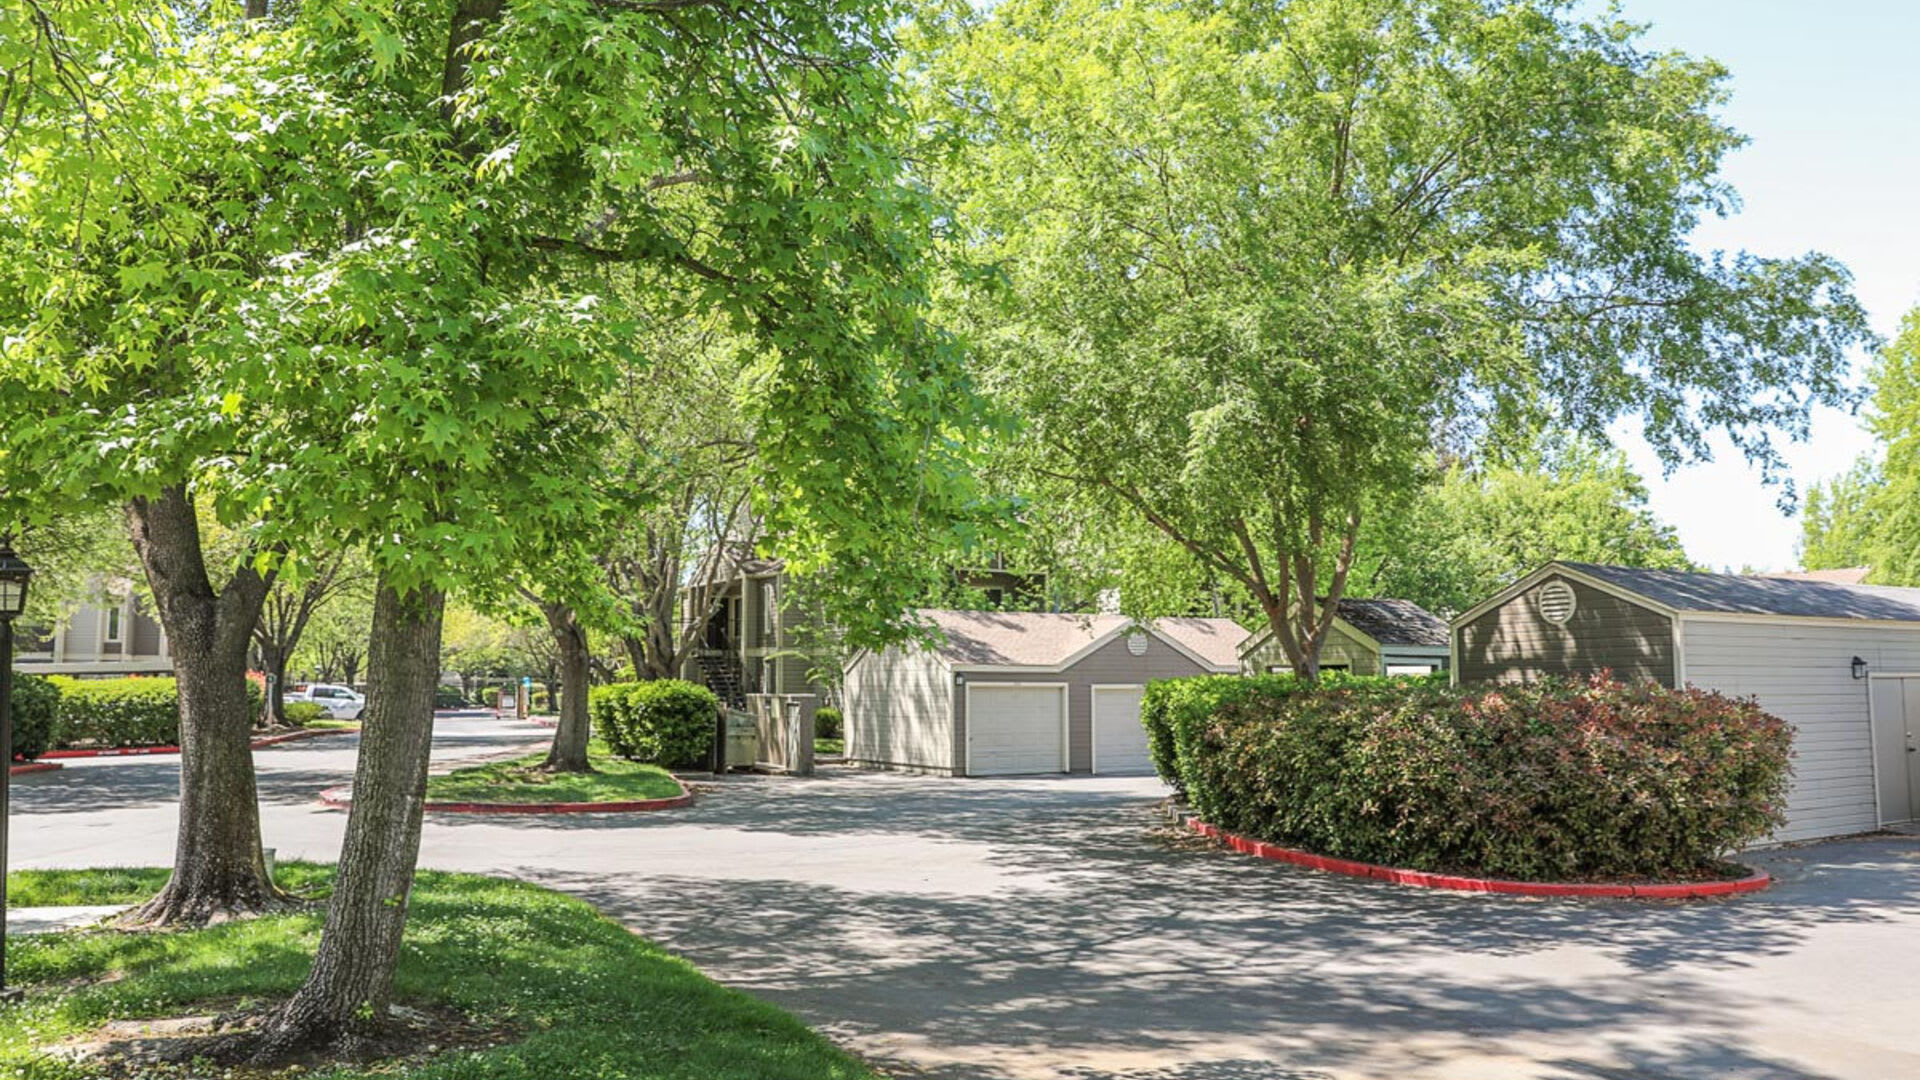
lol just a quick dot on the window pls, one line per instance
(769, 612)
(113, 624)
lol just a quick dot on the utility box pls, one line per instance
(740, 739)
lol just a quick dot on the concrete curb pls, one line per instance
(1696, 890)
(33, 767)
(142, 751)
(339, 798)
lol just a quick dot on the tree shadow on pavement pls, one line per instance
(1090, 932)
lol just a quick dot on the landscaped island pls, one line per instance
(499, 979)
(523, 781)
(1559, 780)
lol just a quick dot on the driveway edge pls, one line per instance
(339, 798)
(1755, 882)
(142, 751)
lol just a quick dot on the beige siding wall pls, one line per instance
(899, 710)
(146, 635)
(83, 633)
(1342, 647)
(1513, 643)
(1111, 664)
(1802, 673)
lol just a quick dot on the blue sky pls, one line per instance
(1829, 95)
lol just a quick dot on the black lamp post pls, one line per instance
(14, 575)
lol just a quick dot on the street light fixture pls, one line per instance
(14, 576)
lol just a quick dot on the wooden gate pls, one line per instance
(785, 726)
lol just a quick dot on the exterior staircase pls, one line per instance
(720, 671)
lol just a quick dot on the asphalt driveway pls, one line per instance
(991, 930)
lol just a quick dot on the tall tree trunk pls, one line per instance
(218, 871)
(637, 656)
(273, 663)
(346, 996)
(569, 751)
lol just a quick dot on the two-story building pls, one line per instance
(760, 639)
(110, 636)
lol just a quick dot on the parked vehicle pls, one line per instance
(341, 702)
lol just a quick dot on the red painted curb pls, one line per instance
(138, 751)
(112, 751)
(33, 767)
(338, 799)
(1691, 890)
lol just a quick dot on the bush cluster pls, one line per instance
(1171, 704)
(828, 723)
(132, 711)
(36, 710)
(448, 697)
(1555, 780)
(666, 722)
(119, 712)
(302, 713)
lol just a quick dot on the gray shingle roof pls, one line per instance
(1732, 593)
(1393, 622)
(1048, 639)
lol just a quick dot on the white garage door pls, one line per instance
(1119, 742)
(1016, 729)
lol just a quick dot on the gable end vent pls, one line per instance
(1555, 601)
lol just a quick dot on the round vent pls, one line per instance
(1137, 643)
(1555, 600)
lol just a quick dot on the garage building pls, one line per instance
(1020, 693)
(1372, 636)
(1839, 662)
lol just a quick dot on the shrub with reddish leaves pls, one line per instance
(1555, 780)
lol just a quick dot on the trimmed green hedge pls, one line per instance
(302, 713)
(1555, 780)
(36, 713)
(119, 712)
(828, 723)
(131, 711)
(667, 722)
(1170, 704)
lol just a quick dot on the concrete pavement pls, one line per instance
(1050, 929)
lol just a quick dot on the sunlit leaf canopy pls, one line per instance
(1263, 261)
(332, 270)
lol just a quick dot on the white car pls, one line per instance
(341, 702)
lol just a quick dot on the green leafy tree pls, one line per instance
(1866, 516)
(1263, 260)
(1841, 522)
(433, 368)
(1475, 530)
(149, 191)
(74, 558)
(334, 646)
(300, 593)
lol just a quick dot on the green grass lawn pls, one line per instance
(830, 746)
(590, 998)
(328, 723)
(520, 781)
